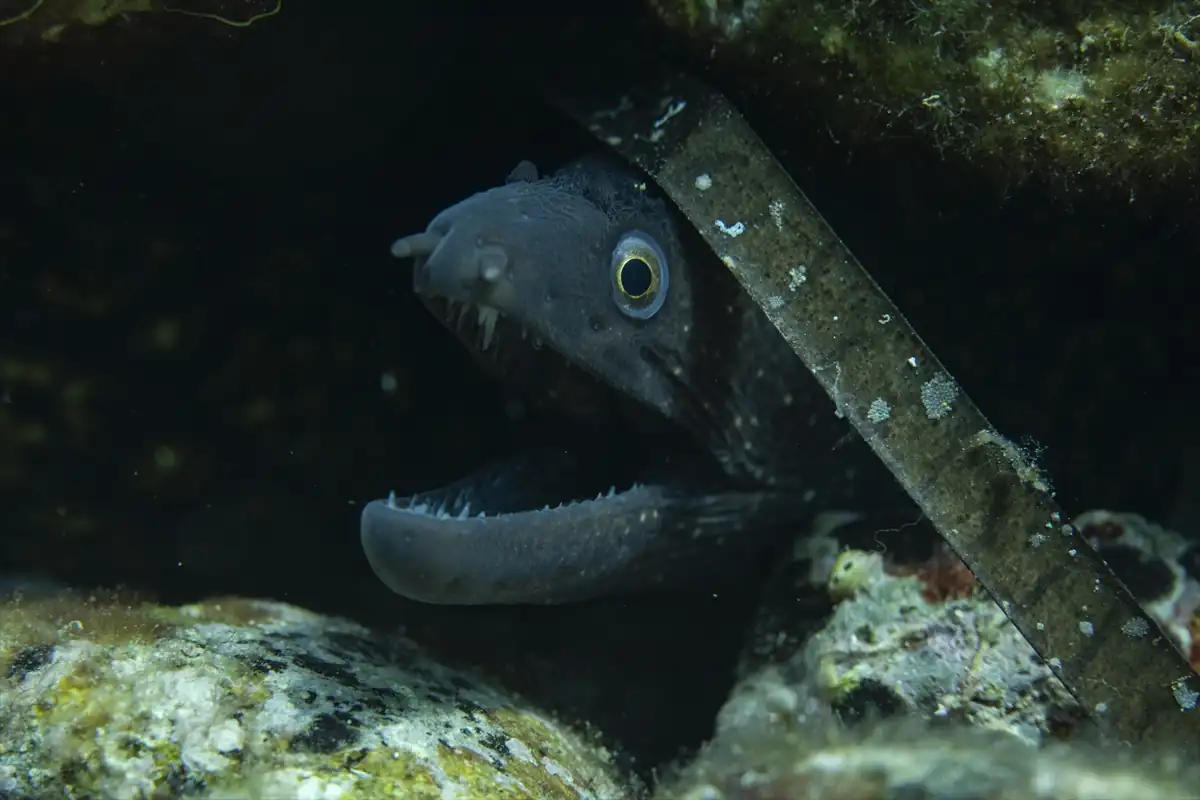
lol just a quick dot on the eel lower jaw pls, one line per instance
(442, 547)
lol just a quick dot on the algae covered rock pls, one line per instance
(237, 698)
(1089, 93)
(908, 645)
(869, 620)
(870, 674)
(912, 761)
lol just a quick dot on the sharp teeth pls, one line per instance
(487, 320)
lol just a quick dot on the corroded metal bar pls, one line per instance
(986, 498)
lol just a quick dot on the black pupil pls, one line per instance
(635, 277)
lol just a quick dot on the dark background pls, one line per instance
(197, 309)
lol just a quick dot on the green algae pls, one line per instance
(233, 698)
(1081, 93)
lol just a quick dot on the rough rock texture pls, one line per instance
(904, 630)
(237, 698)
(915, 762)
(893, 646)
(1158, 565)
(874, 674)
(1088, 92)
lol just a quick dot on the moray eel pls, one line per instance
(712, 437)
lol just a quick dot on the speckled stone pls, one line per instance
(910, 760)
(238, 698)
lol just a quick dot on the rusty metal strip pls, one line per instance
(988, 501)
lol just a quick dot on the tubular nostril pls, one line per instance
(492, 261)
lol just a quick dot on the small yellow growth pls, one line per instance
(396, 773)
(853, 571)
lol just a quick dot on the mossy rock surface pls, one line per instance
(1084, 94)
(248, 699)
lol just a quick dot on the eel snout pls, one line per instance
(453, 267)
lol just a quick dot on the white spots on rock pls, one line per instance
(1041, 626)
(776, 209)
(1037, 540)
(1135, 627)
(879, 410)
(302, 785)
(703, 182)
(732, 231)
(912, 361)
(1072, 552)
(775, 302)
(1184, 695)
(1055, 663)
(518, 749)
(1100, 708)
(1087, 628)
(612, 141)
(938, 395)
(729, 262)
(797, 276)
(556, 769)
(885, 319)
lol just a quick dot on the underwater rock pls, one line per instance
(871, 673)
(868, 621)
(244, 698)
(1157, 565)
(911, 761)
(1085, 93)
(905, 645)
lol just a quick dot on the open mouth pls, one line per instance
(583, 508)
(603, 445)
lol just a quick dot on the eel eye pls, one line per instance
(639, 275)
